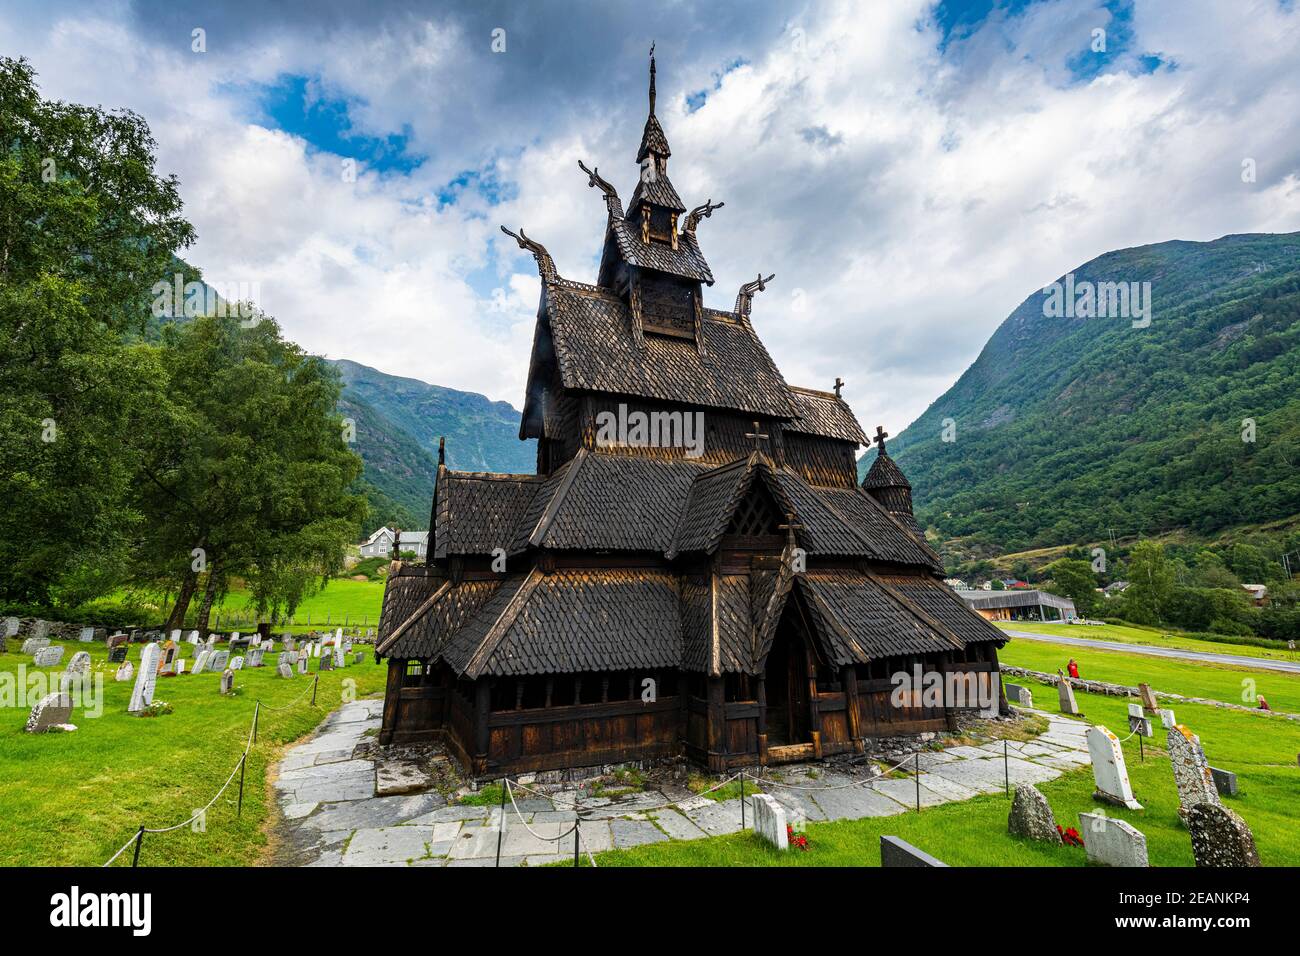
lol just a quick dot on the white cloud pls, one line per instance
(907, 199)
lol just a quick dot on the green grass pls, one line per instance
(1129, 634)
(73, 799)
(1229, 683)
(356, 602)
(1261, 751)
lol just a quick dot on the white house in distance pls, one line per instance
(380, 544)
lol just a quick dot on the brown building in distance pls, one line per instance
(730, 594)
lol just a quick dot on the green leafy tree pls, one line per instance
(1151, 584)
(247, 474)
(1073, 578)
(86, 224)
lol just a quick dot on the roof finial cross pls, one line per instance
(652, 78)
(757, 437)
(790, 527)
(881, 435)
(839, 384)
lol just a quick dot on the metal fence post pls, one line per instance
(577, 829)
(139, 839)
(239, 812)
(501, 827)
(917, 758)
(1006, 767)
(315, 684)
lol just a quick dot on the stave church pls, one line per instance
(694, 569)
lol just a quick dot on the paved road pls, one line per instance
(1288, 667)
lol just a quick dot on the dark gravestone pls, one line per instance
(1220, 838)
(898, 852)
(1225, 781)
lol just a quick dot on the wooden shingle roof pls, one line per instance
(824, 414)
(686, 260)
(591, 331)
(478, 512)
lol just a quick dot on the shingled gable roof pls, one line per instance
(686, 260)
(713, 498)
(824, 414)
(885, 473)
(591, 336)
(478, 512)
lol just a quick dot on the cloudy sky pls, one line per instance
(910, 170)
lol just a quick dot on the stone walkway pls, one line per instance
(332, 817)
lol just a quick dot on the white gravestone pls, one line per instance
(125, 672)
(80, 663)
(1191, 771)
(193, 637)
(180, 666)
(52, 712)
(87, 635)
(1112, 841)
(11, 626)
(34, 644)
(255, 655)
(237, 663)
(285, 670)
(201, 661)
(1108, 769)
(769, 821)
(302, 662)
(1066, 693)
(227, 681)
(1167, 719)
(218, 660)
(142, 693)
(1138, 721)
(49, 656)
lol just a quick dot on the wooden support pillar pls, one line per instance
(849, 678)
(762, 720)
(482, 710)
(717, 724)
(392, 699)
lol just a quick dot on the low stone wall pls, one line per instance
(1120, 690)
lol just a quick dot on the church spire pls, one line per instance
(652, 79)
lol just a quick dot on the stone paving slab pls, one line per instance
(332, 816)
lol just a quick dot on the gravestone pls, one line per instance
(1139, 722)
(1167, 719)
(1220, 838)
(142, 693)
(135, 636)
(117, 648)
(49, 656)
(326, 662)
(1031, 816)
(1108, 769)
(1225, 781)
(34, 644)
(898, 852)
(257, 641)
(80, 663)
(769, 821)
(302, 662)
(180, 666)
(193, 637)
(1148, 698)
(285, 670)
(338, 649)
(168, 657)
(255, 656)
(218, 660)
(11, 625)
(289, 643)
(1066, 693)
(52, 712)
(238, 645)
(1112, 841)
(101, 634)
(1191, 771)
(87, 635)
(358, 657)
(237, 663)
(125, 672)
(40, 628)
(1019, 695)
(227, 681)
(201, 661)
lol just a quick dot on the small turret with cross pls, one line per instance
(881, 435)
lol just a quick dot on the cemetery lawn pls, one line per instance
(73, 799)
(1233, 684)
(1156, 637)
(342, 600)
(1261, 751)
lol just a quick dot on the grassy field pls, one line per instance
(1262, 752)
(356, 602)
(1128, 634)
(1231, 684)
(73, 799)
